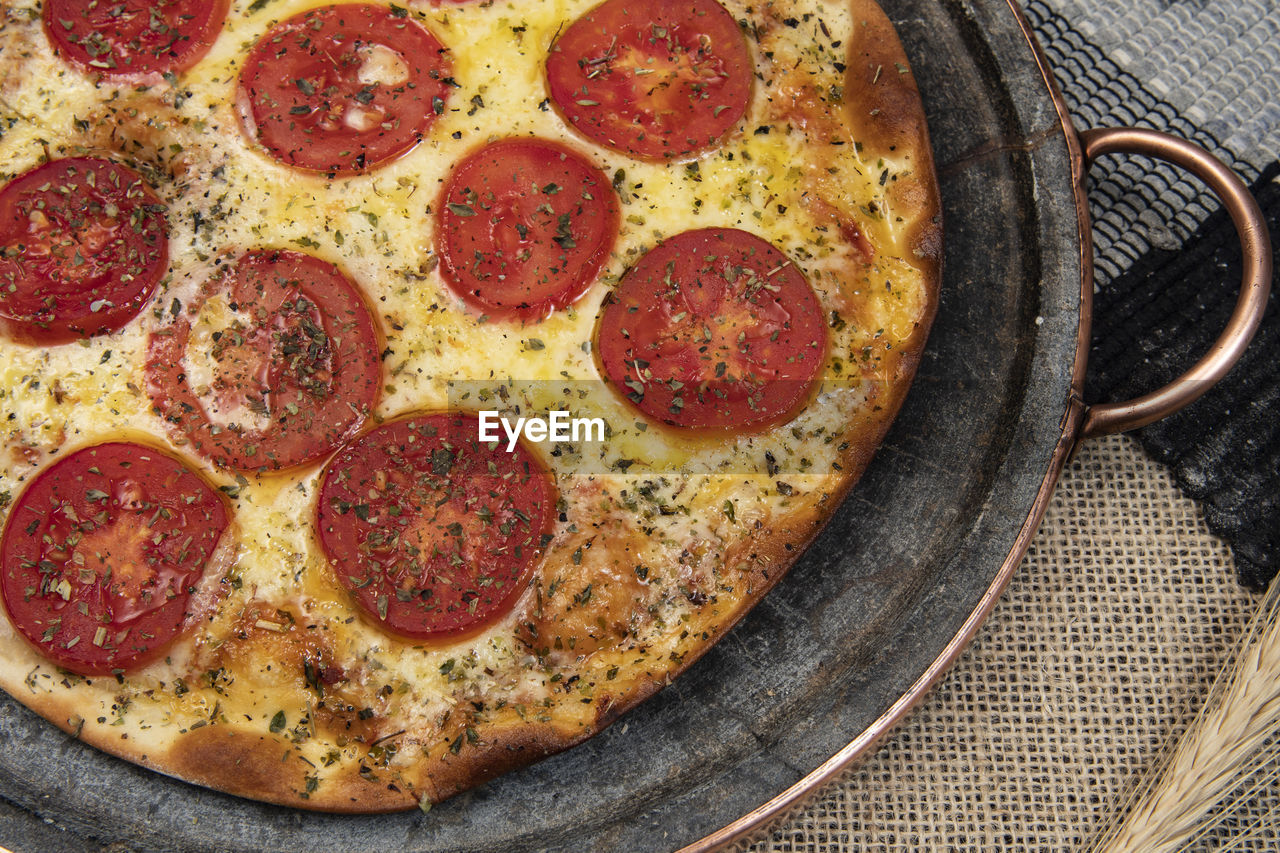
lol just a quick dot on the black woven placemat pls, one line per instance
(1152, 323)
(1168, 268)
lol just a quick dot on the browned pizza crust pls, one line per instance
(263, 767)
(588, 601)
(885, 114)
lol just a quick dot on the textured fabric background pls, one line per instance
(1168, 265)
(1099, 651)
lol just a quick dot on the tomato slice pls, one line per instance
(129, 38)
(343, 89)
(523, 227)
(432, 532)
(657, 81)
(83, 242)
(101, 553)
(713, 329)
(273, 364)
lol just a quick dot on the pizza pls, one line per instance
(395, 394)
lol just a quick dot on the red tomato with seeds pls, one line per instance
(343, 89)
(433, 532)
(658, 81)
(523, 227)
(713, 329)
(274, 363)
(102, 552)
(128, 38)
(83, 243)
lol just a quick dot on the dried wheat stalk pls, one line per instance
(1229, 753)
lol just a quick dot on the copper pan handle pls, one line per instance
(1107, 418)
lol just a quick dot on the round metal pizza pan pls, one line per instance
(885, 596)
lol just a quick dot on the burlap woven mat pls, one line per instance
(1100, 650)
